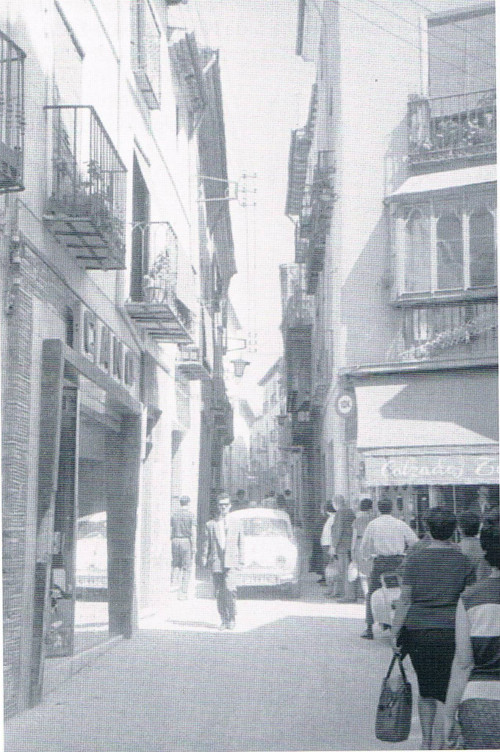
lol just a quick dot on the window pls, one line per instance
(482, 251)
(446, 246)
(461, 51)
(146, 41)
(450, 255)
(417, 259)
(11, 115)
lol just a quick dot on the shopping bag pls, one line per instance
(352, 572)
(393, 718)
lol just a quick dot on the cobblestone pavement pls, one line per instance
(294, 675)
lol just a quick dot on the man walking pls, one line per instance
(183, 540)
(385, 541)
(341, 546)
(223, 552)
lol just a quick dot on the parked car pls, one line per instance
(271, 552)
(92, 553)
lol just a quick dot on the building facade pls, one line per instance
(395, 233)
(106, 291)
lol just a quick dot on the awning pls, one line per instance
(441, 181)
(429, 428)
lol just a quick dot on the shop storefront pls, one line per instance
(429, 438)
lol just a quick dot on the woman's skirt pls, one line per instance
(431, 652)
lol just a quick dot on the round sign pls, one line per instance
(344, 404)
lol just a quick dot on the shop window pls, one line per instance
(417, 257)
(482, 251)
(450, 254)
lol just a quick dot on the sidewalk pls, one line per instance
(293, 676)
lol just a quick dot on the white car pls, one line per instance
(270, 551)
(92, 552)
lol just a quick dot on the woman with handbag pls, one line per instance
(433, 578)
(472, 707)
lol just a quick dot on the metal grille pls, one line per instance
(146, 40)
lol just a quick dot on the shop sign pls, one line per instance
(440, 470)
(96, 341)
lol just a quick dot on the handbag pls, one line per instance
(393, 718)
(332, 570)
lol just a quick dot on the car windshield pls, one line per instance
(265, 526)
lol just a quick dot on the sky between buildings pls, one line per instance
(266, 90)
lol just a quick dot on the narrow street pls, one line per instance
(293, 676)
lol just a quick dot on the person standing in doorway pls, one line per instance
(341, 544)
(223, 552)
(183, 541)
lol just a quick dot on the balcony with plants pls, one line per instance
(154, 304)
(454, 128)
(465, 331)
(85, 209)
(11, 115)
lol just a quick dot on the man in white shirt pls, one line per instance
(385, 541)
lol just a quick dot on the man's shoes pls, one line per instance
(322, 581)
(367, 634)
(222, 625)
(231, 625)
(385, 627)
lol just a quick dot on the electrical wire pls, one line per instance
(430, 33)
(393, 34)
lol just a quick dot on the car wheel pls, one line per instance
(293, 590)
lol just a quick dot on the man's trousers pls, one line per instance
(225, 595)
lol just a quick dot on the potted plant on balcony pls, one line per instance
(158, 281)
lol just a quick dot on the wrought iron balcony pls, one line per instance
(86, 207)
(223, 420)
(11, 115)
(154, 304)
(191, 362)
(297, 305)
(300, 145)
(457, 127)
(454, 331)
(146, 40)
(322, 200)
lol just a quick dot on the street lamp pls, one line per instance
(239, 366)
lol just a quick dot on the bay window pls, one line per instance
(445, 246)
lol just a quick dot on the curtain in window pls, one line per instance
(417, 257)
(482, 249)
(449, 252)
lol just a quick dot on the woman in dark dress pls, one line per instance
(434, 576)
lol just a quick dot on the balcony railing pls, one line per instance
(154, 304)
(458, 331)
(146, 40)
(11, 115)
(299, 311)
(322, 200)
(455, 127)
(191, 362)
(86, 207)
(300, 145)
